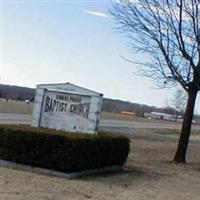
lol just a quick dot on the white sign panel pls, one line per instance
(71, 104)
(65, 111)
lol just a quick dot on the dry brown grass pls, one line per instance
(173, 133)
(107, 115)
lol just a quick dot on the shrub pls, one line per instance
(61, 151)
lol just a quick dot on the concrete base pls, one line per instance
(42, 171)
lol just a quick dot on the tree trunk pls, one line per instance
(186, 127)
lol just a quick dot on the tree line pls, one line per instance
(109, 105)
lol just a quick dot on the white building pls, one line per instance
(162, 116)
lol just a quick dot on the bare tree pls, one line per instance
(178, 102)
(168, 33)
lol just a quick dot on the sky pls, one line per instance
(71, 41)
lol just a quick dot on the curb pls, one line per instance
(48, 172)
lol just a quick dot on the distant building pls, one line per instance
(162, 116)
(27, 101)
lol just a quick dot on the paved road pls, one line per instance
(105, 123)
(118, 126)
(15, 118)
(26, 119)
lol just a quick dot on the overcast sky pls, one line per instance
(70, 41)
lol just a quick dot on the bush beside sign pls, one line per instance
(61, 151)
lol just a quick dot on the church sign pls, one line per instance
(67, 107)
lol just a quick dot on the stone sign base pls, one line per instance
(42, 171)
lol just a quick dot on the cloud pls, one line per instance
(122, 1)
(95, 13)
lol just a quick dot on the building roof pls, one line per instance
(69, 88)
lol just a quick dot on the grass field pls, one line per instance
(107, 115)
(20, 107)
(119, 116)
(166, 131)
